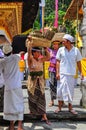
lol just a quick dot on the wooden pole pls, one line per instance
(43, 19)
(42, 5)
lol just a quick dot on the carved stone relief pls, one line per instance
(83, 30)
(11, 14)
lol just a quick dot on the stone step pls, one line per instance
(61, 116)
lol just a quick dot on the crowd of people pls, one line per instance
(63, 57)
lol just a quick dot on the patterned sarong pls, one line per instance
(37, 103)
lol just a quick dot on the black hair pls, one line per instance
(8, 54)
(36, 48)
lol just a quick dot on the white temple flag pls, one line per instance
(42, 3)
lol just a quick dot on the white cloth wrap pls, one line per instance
(13, 104)
(65, 90)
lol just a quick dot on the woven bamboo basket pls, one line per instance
(58, 37)
(39, 42)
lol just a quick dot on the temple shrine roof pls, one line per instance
(74, 8)
(17, 16)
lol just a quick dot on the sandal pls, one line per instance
(73, 112)
(46, 121)
(57, 110)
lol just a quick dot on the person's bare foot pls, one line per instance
(51, 104)
(20, 125)
(73, 112)
(20, 128)
(57, 110)
(46, 121)
(11, 127)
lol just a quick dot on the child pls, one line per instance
(13, 96)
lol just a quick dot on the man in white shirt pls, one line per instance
(67, 58)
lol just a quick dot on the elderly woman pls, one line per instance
(52, 71)
(36, 89)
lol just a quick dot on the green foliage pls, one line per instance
(36, 25)
(60, 16)
(63, 4)
(49, 20)
(50, 15)
(50, 7)
(70, 27)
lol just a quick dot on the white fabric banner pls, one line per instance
(1, 79)
(42, 3)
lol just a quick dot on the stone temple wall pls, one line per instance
(83, 30)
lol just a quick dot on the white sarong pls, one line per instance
(65, 90)
(13, 104)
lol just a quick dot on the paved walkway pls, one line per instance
(76, 101)
(62, 116)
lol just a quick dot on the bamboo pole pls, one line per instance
(43, 8)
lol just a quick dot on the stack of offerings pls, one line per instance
(38, 42)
